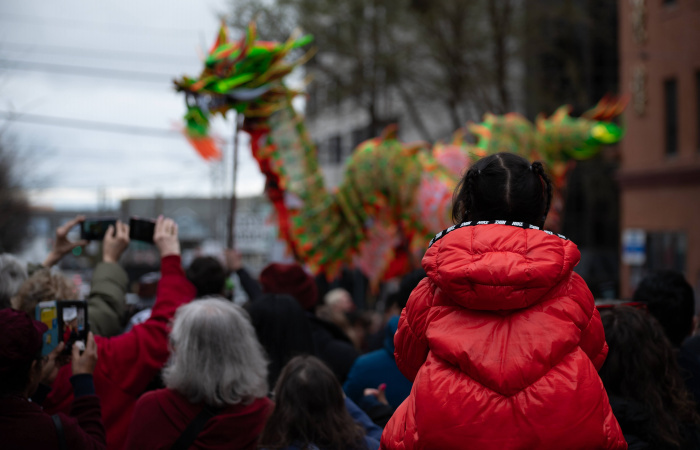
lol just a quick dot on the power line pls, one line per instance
(150, 77)
(71, 151)
(92, 125)
(95, 53)
(95, 26)
(109, 127)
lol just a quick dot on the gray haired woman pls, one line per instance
(216, 384)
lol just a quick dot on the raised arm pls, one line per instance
(411, 346)
(133, 359)
(109, 284)
(84, 428)
(234, 263)
(61, 245)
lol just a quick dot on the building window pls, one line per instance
(335, 150)
(671, 109)
(666, 250)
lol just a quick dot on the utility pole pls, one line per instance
(232, 210)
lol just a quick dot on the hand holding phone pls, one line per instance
(61, 244)
(116, 240)
(165, 237)
(84, 361)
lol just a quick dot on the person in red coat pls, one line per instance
(217, 368)
(502, 339)
(23, 424)
(128, 363)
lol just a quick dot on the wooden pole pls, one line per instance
(232, 210)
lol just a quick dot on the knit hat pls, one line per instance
(21, 338)
(290, 279)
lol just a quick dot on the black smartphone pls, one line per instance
(67, 321)
(95, 228)
(141, 229)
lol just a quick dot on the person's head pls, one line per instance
(215, 356)
(12, 275)
(641, 366)
(669, 298)
(20, 352)
(42, 286)
(503, 186)
(310, 409)
(290, 279)
(360, 324)
(282, 329)
(207, 275)
(340, 300)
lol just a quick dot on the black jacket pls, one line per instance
(333, 347)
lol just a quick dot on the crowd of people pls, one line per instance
(495, 343)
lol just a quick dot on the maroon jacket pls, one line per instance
(161, 416)
(25, 425)
(127, 363)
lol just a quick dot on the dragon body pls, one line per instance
(394, 197)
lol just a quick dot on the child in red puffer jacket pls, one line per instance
(502, 339)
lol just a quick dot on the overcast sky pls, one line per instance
(108, 62)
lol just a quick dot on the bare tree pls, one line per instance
(14, 206)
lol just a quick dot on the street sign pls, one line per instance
(634, 247)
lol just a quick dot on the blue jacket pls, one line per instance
(377, 367)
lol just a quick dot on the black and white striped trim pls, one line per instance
(524, 225)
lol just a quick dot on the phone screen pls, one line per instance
(67, 322)
(141, 229)
(95, 229)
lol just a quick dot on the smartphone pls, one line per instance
(67, 321)
(141, 229)
(94, 229)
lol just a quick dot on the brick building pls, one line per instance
(660, 173)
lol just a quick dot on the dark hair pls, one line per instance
(503, 186)
(208, 276)
(282, 329)
(670, 299)
(641, 366)
(310, 409)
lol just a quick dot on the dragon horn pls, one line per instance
(222, 37)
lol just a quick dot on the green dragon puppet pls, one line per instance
(394, 197)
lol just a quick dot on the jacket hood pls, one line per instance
(389, 331)
(498, 265)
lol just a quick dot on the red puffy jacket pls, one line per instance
(503, 342)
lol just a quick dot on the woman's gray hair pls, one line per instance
(216, 357)
(12, 274)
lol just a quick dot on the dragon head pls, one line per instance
(246, 76)
(562, 137)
